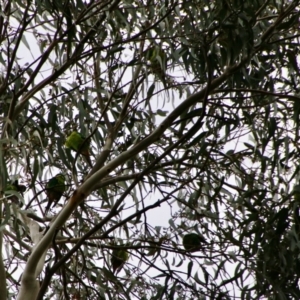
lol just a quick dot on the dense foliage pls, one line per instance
(190, 111)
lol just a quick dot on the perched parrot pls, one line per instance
(192, 242)
(158, 62)
(74, 141)
(15, 187)
(118, 259)
(54, 190)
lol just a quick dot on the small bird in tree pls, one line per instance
(55, 189)
(158, 60)
(15, 187)
(77, 142)
(192, 242)
(118, 259)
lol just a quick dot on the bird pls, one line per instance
(158, 62)
(14, 186)
(75, 142)
(118, 259)
(55, 189)
(192, 242)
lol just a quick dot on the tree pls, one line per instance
(191, 110)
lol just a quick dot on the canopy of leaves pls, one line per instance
(192, 113)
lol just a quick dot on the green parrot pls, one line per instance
(55, 189)
(158, 61)
(15, 187)
(118, 259)
(192, 242)
(74, 141)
